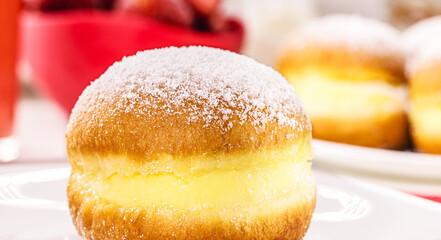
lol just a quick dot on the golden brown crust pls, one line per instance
(185, 108)
(426, 78)
(427, 144)
(342, 62)
(146, 131)
(98, 219)
(387, 133)
(425, 89)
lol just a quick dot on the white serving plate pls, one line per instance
(33, 206)
(378, 161)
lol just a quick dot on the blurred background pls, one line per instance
(50, 50)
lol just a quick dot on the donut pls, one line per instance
(416, 36)
(348, 70)
(424, 71)
(190, 143)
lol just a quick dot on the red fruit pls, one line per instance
(217, 21)
(205, 7)
(48, 5)
(103, 4)
(209, 16)
(174, 11)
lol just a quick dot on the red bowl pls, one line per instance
(69, 49)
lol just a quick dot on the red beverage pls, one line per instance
(8, 82)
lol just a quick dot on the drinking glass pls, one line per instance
(8, 82)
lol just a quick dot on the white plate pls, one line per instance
(33, 206)
(378, 161)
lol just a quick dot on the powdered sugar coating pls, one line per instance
(210, 80)
(421, 33)
(351, 31)
(427, 55)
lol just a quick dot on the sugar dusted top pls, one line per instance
(416, 37)
(194, 99)
(352, 31)
(425, 57)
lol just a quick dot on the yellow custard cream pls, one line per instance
(260, 176)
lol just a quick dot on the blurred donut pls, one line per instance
(424, 71)
(348, 71)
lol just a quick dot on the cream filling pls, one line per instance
(214, 189)
(325, 96)
(425, 115)
(259, 183)
(426, 121)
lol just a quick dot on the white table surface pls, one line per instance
(39, 127)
